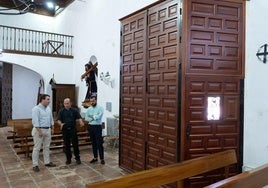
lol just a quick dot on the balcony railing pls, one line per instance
(31, 42)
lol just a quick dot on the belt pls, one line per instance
(93, 124)
(43, 127)
(68, 128)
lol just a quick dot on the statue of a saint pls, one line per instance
(90, 78)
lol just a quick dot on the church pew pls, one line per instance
(171, 173)
(22, 136)
(11, 122)
(256, 178)
(23, 141)
(16, 122)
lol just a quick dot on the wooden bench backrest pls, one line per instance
(24, 124)
(170, 173)
(256, 178)
(11, 122)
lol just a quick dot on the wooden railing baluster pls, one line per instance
(32, 42)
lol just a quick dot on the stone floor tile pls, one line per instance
(16, 170)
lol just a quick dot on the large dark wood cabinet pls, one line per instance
(59, 93)
(149, 87)
(175, 56)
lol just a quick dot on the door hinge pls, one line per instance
(188, 131)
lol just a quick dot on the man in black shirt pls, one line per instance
(67, 117)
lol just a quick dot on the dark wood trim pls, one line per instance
(37, 54)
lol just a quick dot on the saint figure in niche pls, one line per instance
(91, 72)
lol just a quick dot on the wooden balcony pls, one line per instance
(32, 42)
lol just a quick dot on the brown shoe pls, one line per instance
(102, 161)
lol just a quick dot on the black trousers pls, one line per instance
(70, 136)
(95, 133)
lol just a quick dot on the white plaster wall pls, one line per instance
(97, 32)
(25, 89)
(30, 21)
(43, 66)
(96, 29)
(256, 103)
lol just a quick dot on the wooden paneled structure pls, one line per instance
(6, 93)
(176, 54)
(213, 66)
(59, 93)
(149, 130)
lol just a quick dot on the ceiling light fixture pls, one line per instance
(50, 5)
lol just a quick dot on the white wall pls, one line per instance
(29, 21)
(96, 29)
(97, 32)
(256, 103)
(25, 92)
(43, 66)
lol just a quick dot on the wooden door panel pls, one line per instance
(132, 122)
(162, 93)
(203, 136)
(6, 104)
(149, 92)
(231, 108)
(197, 90)
(215, 38)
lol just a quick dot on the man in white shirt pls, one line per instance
(43, 122)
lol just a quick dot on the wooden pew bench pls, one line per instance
(171, 173)
(16, 123)
(23, 141)
(256, 178)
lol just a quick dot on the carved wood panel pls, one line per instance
(133, 78)
(149, 92)
(59, 93)
(203, 136)
(214, 67)
(6, 93)
(162, 84)
(215, 38)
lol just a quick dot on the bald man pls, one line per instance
(67, 117)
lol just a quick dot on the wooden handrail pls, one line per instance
(170, 173)
(256, 178)
(32, 42)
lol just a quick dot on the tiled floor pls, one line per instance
(16, 170)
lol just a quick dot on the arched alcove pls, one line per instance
(20, 87)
